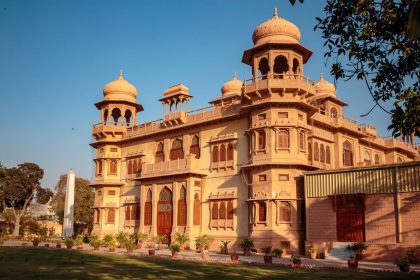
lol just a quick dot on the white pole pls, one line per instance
(68, 220)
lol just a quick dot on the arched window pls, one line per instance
(130, 167)
(214, 211)
(135, 167)
(137, 211)
(197, 210)
(176, 150)
(281, 66)
(195, 147)
(283, 139)
(113, 167)
(316, 152)
(165, 195)
(309, 151)
(347, 154)
(296, 67)
(222, 153)
(215, 154)
(263, 68)
(127, 117)
(105, 115)
(262, 212)
(159, 156)
(111, 216)
(366, 158)
(334, 113)
(377, 159)
(261, 140)
(98, 215)
(99, 167)
(285, 211)
(229, 210)
(133, 212)
(182, 207)
(327, 154)
(301, 141)
(322, 153)
(127, 213)
(116, 115)
(222, 210)
(230, 152)
(148, 209)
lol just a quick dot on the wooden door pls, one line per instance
(164, 214)
(350, 218)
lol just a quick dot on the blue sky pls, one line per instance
(56, 56)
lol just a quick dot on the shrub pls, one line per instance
(78, 241)
(247, 244)
(181, 238)
(159, 239)
(36, 241)
(174, 247)
(108, 240)
(266, 250)
(277, 252)
(203, 242)
(129, 245)
(122, 238)
(69, 242)
(141, 237)
(94, 241)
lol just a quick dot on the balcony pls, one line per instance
(175, 118)
(174, 167)
(101, 129)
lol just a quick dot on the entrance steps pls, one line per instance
(338, 252)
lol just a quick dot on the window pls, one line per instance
(97, 215)
(222, 210)
(111, 192)
(281, 67)
(322, 153)
(111, 216)
(114, 150)
(301, 141)
(366, 158)
(334, 113)
(222, 153)
(377, 159)
(261, 140)
(262, 117)
(283, 177)
(285, 244)
(148, 209)
(182, 207)
(177, 151)
(262, 212)
(283, 139)
(137, 212)
(229, 210)
(285, 211)
(316, 152)
(113, 167)
(159, 156)
(300, 117)
(327, 154)
(99, 193)
(195, 147)
(197, 210)
(309, 152)
(230, 152)
(214, 211)
(215, 154)
(282, 115)
(130, 167)
(262, 178)
(99, 167)
(347, 154)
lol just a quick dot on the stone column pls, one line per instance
(175, 195)
(155, 197)
(190, 206)
(68, 221)
(143, 193)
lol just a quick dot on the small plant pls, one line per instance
(224, 247)
(108, 240)
(130, 246)
(296, 260)
(141, 237)
(277, 252)
(203, 242)
(403, 264)
(36, 241)
(122, 238)
(159, 239)
(358, 248)
(267, 250)
(69, 242)
(247, 245)
(313, 251)
(173, 247)
(181, 238)
(95, 242)
(78, 241)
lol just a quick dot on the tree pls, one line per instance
(2, 177)
(83, 201)
(378, 41)
(21, 186)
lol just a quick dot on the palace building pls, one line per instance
(234, 169)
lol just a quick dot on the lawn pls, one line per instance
(48, 263)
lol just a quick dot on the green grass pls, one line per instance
(44, 263)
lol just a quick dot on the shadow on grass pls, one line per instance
(44, 263)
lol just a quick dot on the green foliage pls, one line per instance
(78, 241)
(357, 247)
(295, 258)
(277, 252)
(267, 250)
(107, 238)
(247, 244)
(203, 242)
(312, 250)
(368, 40)
(181, 238)
(129, 245)
(83, 200)
(224, 244)
(141, 237)
(122, 238)
(159, 239)
(69, 242)
(36, 241)
(94, 241)
(173, 247)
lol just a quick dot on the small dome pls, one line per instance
(120, 90)
(232, 87)
(276, 30)
(323, 87)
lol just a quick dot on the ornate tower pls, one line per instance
(118, 111)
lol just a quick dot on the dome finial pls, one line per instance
(121, 75)
(275, 13)
(321, 77)
(234, 75)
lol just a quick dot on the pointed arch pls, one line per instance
(296, 67)
(177, 151)
(222, 210)
(215, 154)
(327, 154)
(128, 117)
(309, 151)
(347, 154)
(285, 211)
(230, 151)
(281, 66)
(113, 167)
(195, 147)
(321, 153)
(316, 152)
(182, 207)
(105, 116)
(367, 158)
(214, 211)
(263, 68)
(197, 209)
(377, 159)
(159, 156)
(229, 210)
(116, 115)
(148, 209)
(222, 153)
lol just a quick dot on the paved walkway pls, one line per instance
(192, 255)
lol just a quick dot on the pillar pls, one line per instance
(155, 197)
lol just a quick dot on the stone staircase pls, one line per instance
(338, 252)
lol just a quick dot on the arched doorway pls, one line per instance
(164, 214)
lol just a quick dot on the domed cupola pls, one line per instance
(324, 87)
(120, 90)
(276, 30)
(232, 87)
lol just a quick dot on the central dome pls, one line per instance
(276, 30)
(120, 90)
